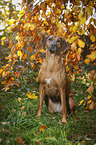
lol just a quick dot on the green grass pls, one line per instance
(21, 126)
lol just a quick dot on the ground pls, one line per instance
(19, 124)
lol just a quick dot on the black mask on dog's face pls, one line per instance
(53, 48)
(54, 44)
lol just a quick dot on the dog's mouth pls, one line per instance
(53, 48)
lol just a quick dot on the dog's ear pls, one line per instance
(43, 41)
(64, 45)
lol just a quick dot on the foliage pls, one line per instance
(7, 11)
(20, 44)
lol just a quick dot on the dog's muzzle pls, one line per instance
(53, 48)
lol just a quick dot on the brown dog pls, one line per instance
(54, 82)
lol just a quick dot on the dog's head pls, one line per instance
(54, 44)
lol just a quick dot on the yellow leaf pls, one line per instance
(90, 101)
(67, 68)
(1, 70)
(7, 88)
(32, 26)
(58, 11)
(83, 20)
(89, 96)
(10, 22)
(89, 9)
(92, 56)
(32, 57)
(62, 6)
(53, 20)
(18, 38)
(72, 39)
(42, 50)
(81, 43)
(31, 96)
(76, 67)
(81, 102)
(10, 60)
(3, 38)
(19, 53)
(46, 23)
(81, 15)
(49, 13)
(19, 99)
(87, 61)
(4, 73)
(27, 26)
(21, 13)
(2, 42)
(3, 82)
(91, 3)
(75, 27)
(79, 51)
(92, 37)
(73, 78)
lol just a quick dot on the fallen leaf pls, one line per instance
(81, 102)
(91, 106)
(31, 96)
(22, 107)
(89, 97)
(19, 99)
(42, 128)
(20, 141)
(90, 89)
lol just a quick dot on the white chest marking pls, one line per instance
(48, 80)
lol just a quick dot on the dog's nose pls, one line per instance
(53, 45)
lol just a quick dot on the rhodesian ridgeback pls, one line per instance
(54, 82)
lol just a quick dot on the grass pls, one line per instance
(20, 126)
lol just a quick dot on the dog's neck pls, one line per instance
(49, 54)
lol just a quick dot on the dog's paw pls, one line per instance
(38, 113)
(64, 121)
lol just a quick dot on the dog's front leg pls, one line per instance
(63, 101)
(41, 98)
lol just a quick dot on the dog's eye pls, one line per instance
(58, 41)
(50, 39)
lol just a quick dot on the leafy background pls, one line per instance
(21, 56)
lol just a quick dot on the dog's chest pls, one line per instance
(52, 72)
